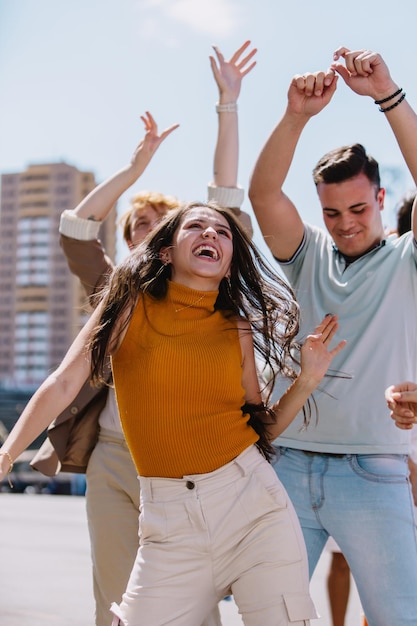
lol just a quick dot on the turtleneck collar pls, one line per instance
(185, 298)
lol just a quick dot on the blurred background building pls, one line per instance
(42, 305)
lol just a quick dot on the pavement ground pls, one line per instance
(45, 566)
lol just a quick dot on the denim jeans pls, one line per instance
(363, 501)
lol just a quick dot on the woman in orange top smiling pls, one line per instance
(182, 318)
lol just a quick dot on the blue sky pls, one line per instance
(75, 76)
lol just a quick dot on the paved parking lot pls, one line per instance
(45, 575)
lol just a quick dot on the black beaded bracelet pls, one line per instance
(392, 105)
(397, 93)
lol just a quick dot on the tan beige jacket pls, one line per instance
(74, 433)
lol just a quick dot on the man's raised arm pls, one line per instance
(278, 218)
(367, 74)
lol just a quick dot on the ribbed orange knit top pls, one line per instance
(178, 379)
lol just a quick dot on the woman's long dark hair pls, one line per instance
(253, 291)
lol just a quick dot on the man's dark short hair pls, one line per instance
(344, 163)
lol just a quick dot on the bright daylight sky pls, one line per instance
(75, 75)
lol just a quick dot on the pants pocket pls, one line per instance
(300, 608)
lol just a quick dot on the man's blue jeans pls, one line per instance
(364, 502)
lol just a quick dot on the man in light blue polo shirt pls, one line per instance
(346, 472)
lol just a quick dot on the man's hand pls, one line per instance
(309, 93)
(402, 402)
(365, 72)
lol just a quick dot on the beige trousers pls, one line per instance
(112, 499)
(205, 536)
